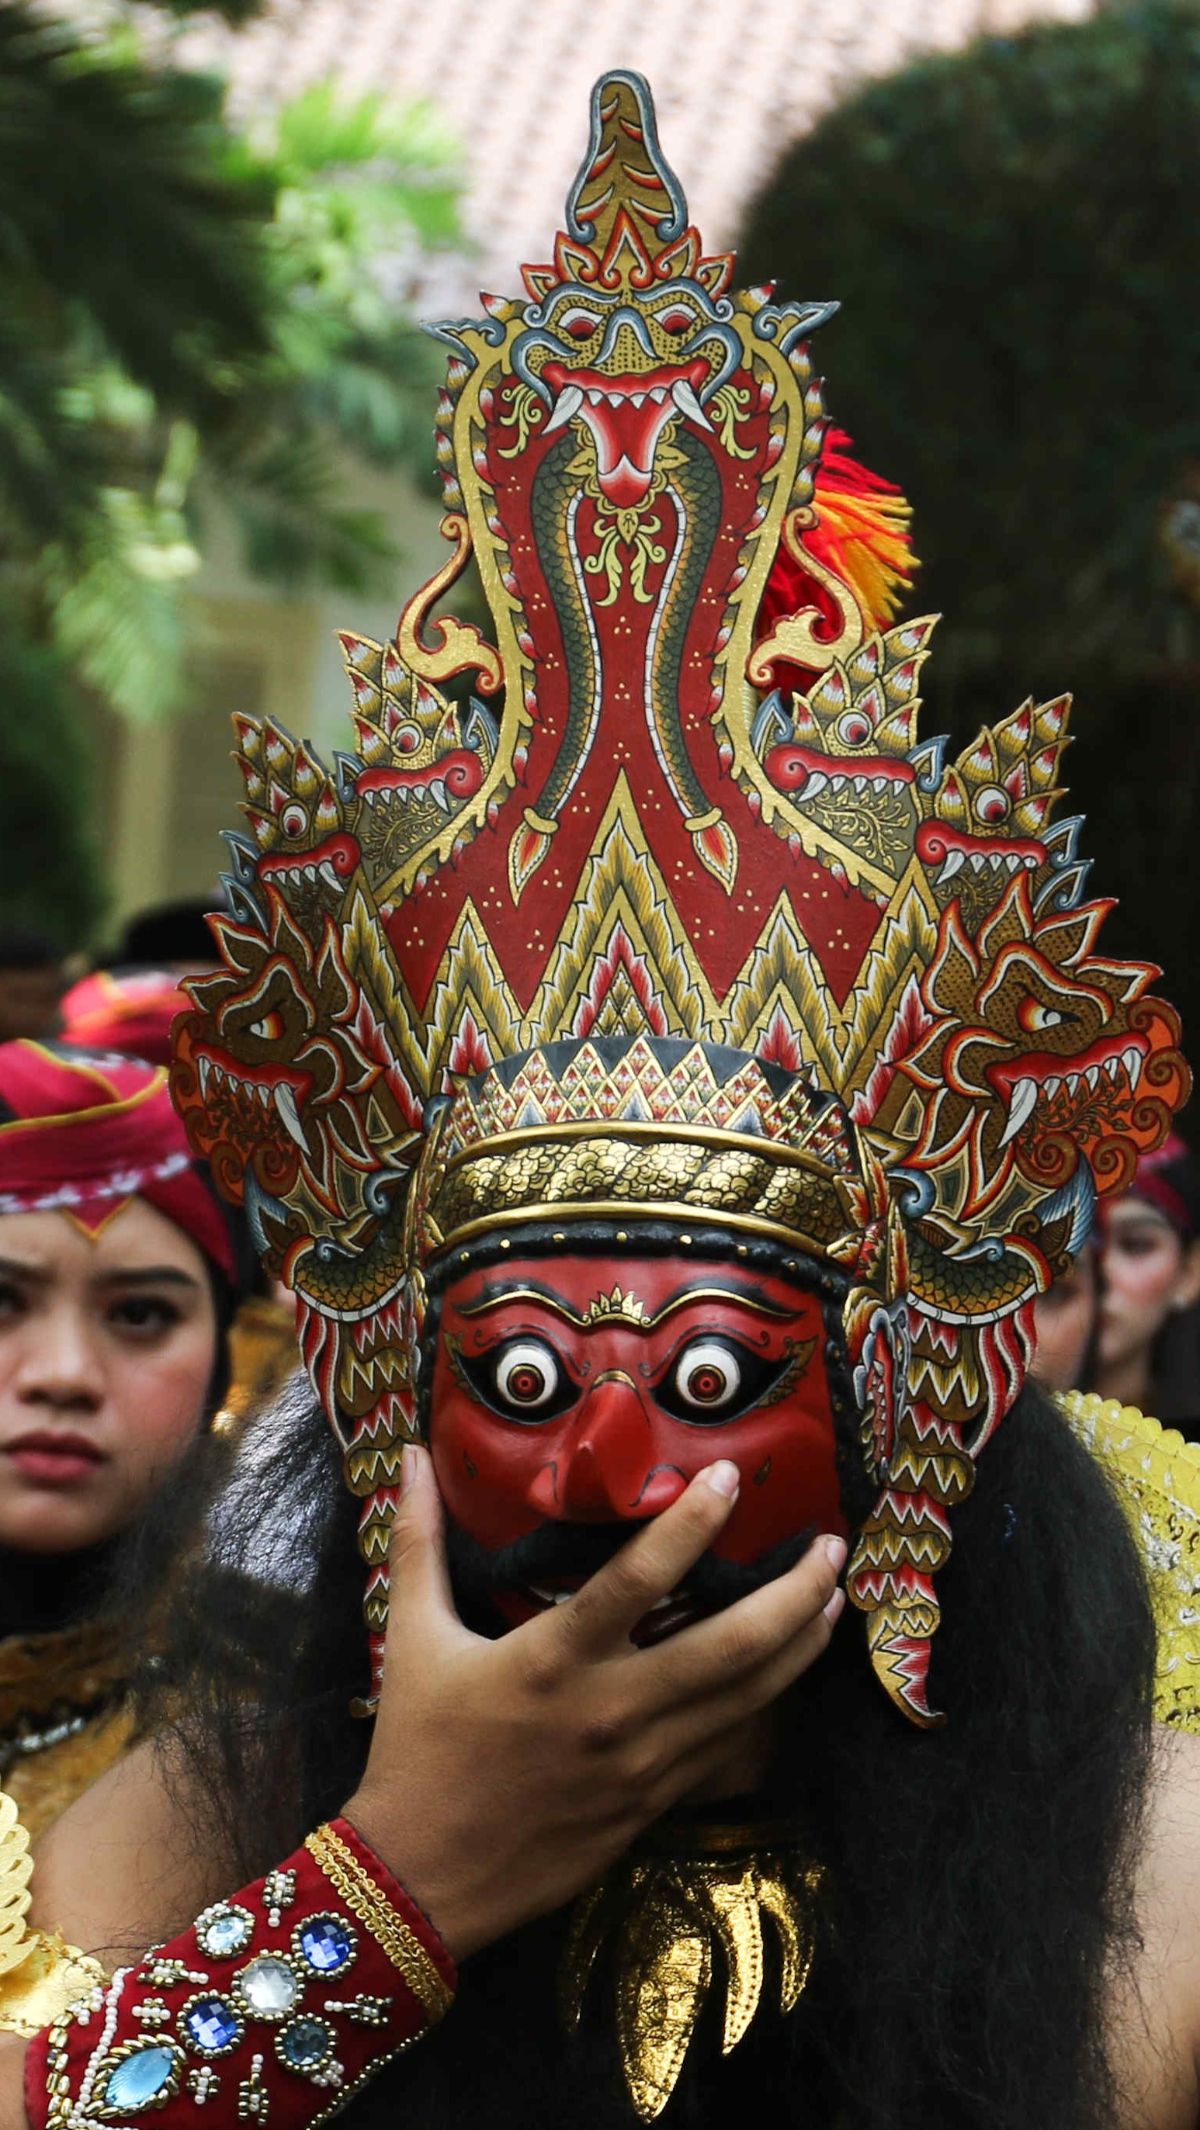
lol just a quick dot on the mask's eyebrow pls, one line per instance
(496, 1297)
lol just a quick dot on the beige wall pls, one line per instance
(166, 791)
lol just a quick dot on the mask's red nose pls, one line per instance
(603, 1470)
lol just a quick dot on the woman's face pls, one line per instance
(1066, 1317)
(107, 1348)
(1147, 1272)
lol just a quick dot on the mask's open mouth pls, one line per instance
(678, 1609)
(627, 414)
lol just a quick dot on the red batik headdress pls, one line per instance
(652, 904)
(83, 1132)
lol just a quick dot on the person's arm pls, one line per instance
(503, 1777)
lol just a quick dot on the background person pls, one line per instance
(1148, 1347)
(1066, 1317)
(119, 1275)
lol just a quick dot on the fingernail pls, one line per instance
(835, 1604)
(409, 1466)
(835, 1553)
(723, 1477)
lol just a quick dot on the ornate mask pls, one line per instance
(643, 1036)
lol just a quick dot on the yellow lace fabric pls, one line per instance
(39, 1974)
(1157, 1475)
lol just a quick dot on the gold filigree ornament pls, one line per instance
(669, 1923)
(40, 1976)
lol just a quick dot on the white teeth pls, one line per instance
(637, 399)
(328, 875)
(204, 1068)
(1072, 1083)
(879, 783)
(594, 398)
(951, 867)
(1014, 861)
(437, 792)
(285, 1103)
(1132, 1061)
(1050, 1088)
(1024, 1096)
(1092, 1076)
(837, 784)
(859, 783)
(995, 859)
(569, 401)
(1112, 1067)
(687, 403)
(1030, 864)
(978, 861)
(816, 783)
(659, 394)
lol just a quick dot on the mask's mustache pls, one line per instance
(557, 1550)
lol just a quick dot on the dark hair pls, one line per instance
(25, 949)
(980, 1877)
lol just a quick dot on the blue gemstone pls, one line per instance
(139, 2079)
(326, 1944)
(305, 2043)
(212, 2025)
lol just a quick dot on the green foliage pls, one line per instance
(361, 193)
(50, 877)
(1014, 237)
(188, 311)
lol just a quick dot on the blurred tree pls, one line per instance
(1014, 236)
(190, 311)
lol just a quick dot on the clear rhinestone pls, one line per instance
(268, 1986)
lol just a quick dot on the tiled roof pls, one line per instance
(734, 85)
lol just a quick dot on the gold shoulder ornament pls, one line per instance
(40, 1975)
(1157, 1475)
(677, 1914)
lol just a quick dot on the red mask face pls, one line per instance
(587, 1390)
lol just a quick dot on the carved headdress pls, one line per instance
(652, 906)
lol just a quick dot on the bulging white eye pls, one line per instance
(854, 728)
(527, 1375)
(707, 1376)
(992, 804)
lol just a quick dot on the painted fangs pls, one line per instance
(569, 401)
(686, 401)
(285, 1103)
(1021, 1105)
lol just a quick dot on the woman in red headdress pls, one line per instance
(1148, 1338)
(119, 1274)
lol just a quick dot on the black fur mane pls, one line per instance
(980, 1876)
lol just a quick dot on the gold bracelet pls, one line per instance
(371, 1905)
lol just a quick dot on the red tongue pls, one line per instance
(625, 439)
(626, 485)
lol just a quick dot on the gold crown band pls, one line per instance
(750, 1185)
(371, 1905)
